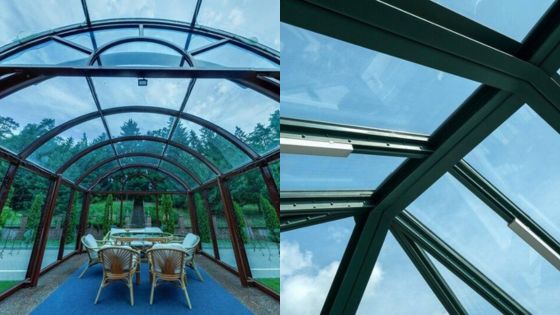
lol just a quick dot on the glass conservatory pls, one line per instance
(419, 159)
(135, 123)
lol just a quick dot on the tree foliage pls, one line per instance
(108, 214)
(168, 218)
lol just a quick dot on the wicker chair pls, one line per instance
(119, 263)
(92, 248)
(167, 263)
(190, 243)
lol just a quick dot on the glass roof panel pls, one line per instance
(226, 104)
(521, 159)
(225, 155)
(240, 17)
(119, 91)
(320, 82)
(22, 18)
(179, 10)
(230, 55)
(134, 124)
(47, 104)
(357, 171)
(471, 301)
(139, 146)
(87, 161)
(104, 36)
(178, 172)
(514, 18)
(309, 259)
(189, 161)
(396, 287)
(50, 52)
(178, 38)
(59, 149)
(484, 239)
(139, 160)
(141, 54)
(95, 175)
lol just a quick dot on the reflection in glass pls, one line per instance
(320, 82)
(484, 239)
(50, 52)
(140, 54)
(178, 10)
(85, 162)
(230, 55)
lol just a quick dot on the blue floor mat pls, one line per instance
(76, 296)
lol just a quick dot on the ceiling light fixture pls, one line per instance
(142, 82)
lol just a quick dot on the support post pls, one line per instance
(7, 184)
(192, 213)
(83, 220)
(157, 223)
(237, 242)
(40, 244)
(211, 224)
(271, 187)
(67, 224)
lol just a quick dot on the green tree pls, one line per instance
(271, 219)
(7, 215)
(34, 215)
(7, 127)
(241, 225)
(108, 214)
(167, 214)
(202, 217)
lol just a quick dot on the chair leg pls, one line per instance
(197, 272)
(154, 280)
(83, 272)
(131, 289)
(184, 287)
(99, 291)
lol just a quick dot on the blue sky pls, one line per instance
(328, 80)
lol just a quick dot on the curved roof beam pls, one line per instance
(19, 81)
(138, 109)
(178, 145)
(138, 165)
(137, 154)
(95, 55)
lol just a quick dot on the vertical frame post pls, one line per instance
(66, 225)
(237, 242)
(83, 220)
(271, 187)
(7, 184)
(211, 224)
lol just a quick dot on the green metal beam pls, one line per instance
(309, 203)
(364, 140)
(457, 264)
(302, 221)
(430, 273)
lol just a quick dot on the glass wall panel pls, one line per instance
(230, 55)
(259, 227)
(512, 18)
(214, 147)
(98, 173)
(178, 10)
(118, 91)
(87, 161)
(73, 224)
(241, 18)
(179, 173)
(182, 215)
(484, 239)
(134, 124)
(309, 259)
(19, 221)
(520, 159)
(221, 229)
(226, 104)
(22, 18)
(61, 148)
(103, 37)
(47, 104)
(140, 54)
(96, 223)
(320, 82)
(56, 227)
(471, 301)
(203, 222)
(139, 146)
(47, 53)
(139, 159)
(187, 160)
(396, 287)
(357, 171)
(275, 170)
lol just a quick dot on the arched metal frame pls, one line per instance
(14, 78)
(139, 166)
(99, 164)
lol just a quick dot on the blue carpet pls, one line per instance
(76, 296)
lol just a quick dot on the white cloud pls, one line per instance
(292, 259)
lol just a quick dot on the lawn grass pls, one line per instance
(271, 283)
(5, 285)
